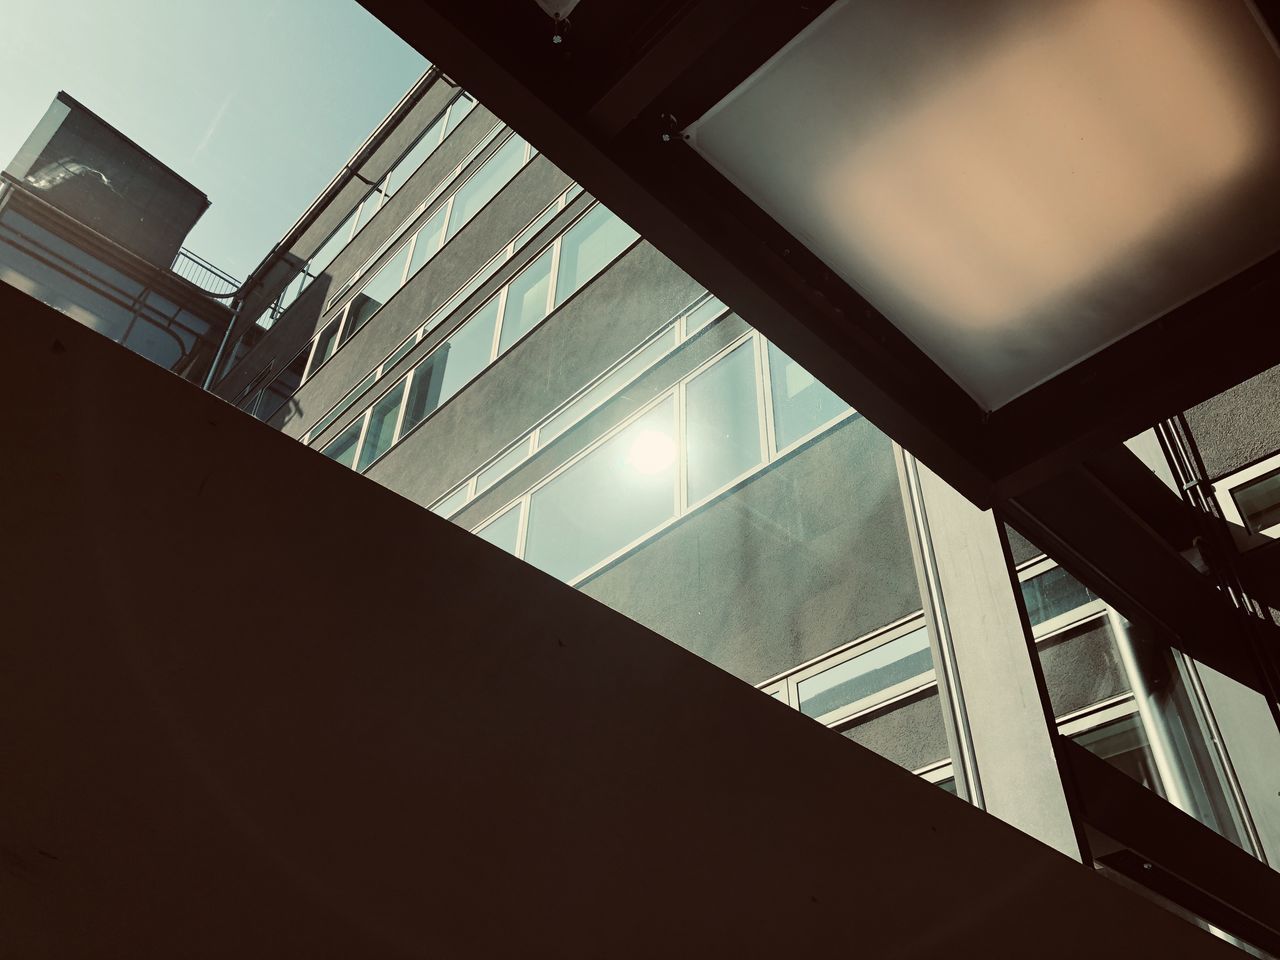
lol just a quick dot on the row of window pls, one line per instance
(445, 310)
(422, 245)
(727, 420)
(895, 663)
(658, 346)
(589, 244)
(458, 209)
(355, 221)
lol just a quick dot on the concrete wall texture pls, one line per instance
(802, 558)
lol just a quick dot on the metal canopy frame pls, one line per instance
(604, 94)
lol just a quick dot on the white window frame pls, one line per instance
(1223, 490)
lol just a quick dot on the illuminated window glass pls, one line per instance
(800, 403)
(452, 364)
(722, 422)
(343, 447)
(485, 184)
(616, 494)
(1053, 593)
(588, 247)
(504, 531)
(458, 112)
(382, 426)
(868, 676)
(376, 292)
(451, 502)
(526, 301)
(331, 247)
(428, 241)
(419, 152)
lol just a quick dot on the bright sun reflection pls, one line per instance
(651, 452)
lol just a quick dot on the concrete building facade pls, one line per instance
(463, 324)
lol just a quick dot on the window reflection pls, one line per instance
(504, 531)
(526, 301)
(868, 676)
(1053, 593)
(612, 496)
(800, 403)
(722, 422)
(588, 247)
(485, 184)
(1123, 744)
(382, 426)
(343, 447)
(452, 365)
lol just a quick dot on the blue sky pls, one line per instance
(256, 102)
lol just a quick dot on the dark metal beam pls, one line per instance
(1174, 854)
(687, 210)
(685, 41)
(1109, 545)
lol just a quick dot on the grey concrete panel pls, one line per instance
(397, 741)
(1240, 425)
(911, 734)
(304, 317)
(641, 291)
(456, 263)
(1081, 667)
(804, 557)
(1005, 711)
(1252, 742)
(491, 229)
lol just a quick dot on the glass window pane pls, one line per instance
(344, 404)
(452, 364)
(1052, 593)
(376, 292)
(332, 247)
(1259, 501)
(382, 426)
(458, 112)
(502, 466)
(608, 385)
(528, 233)
(526, 301)
(451, 502)
(722, 422)
(587, 248)
(470, 287)
(485, 184)
(703, 314)
(369, 207)
(326, 343)
(1123, 744)
(800, 403)
(422, 148)
(866, 675)
(428, 242)
(611, 497)
(504, 531)
(343, 447)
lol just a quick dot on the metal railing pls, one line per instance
(199, 271)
